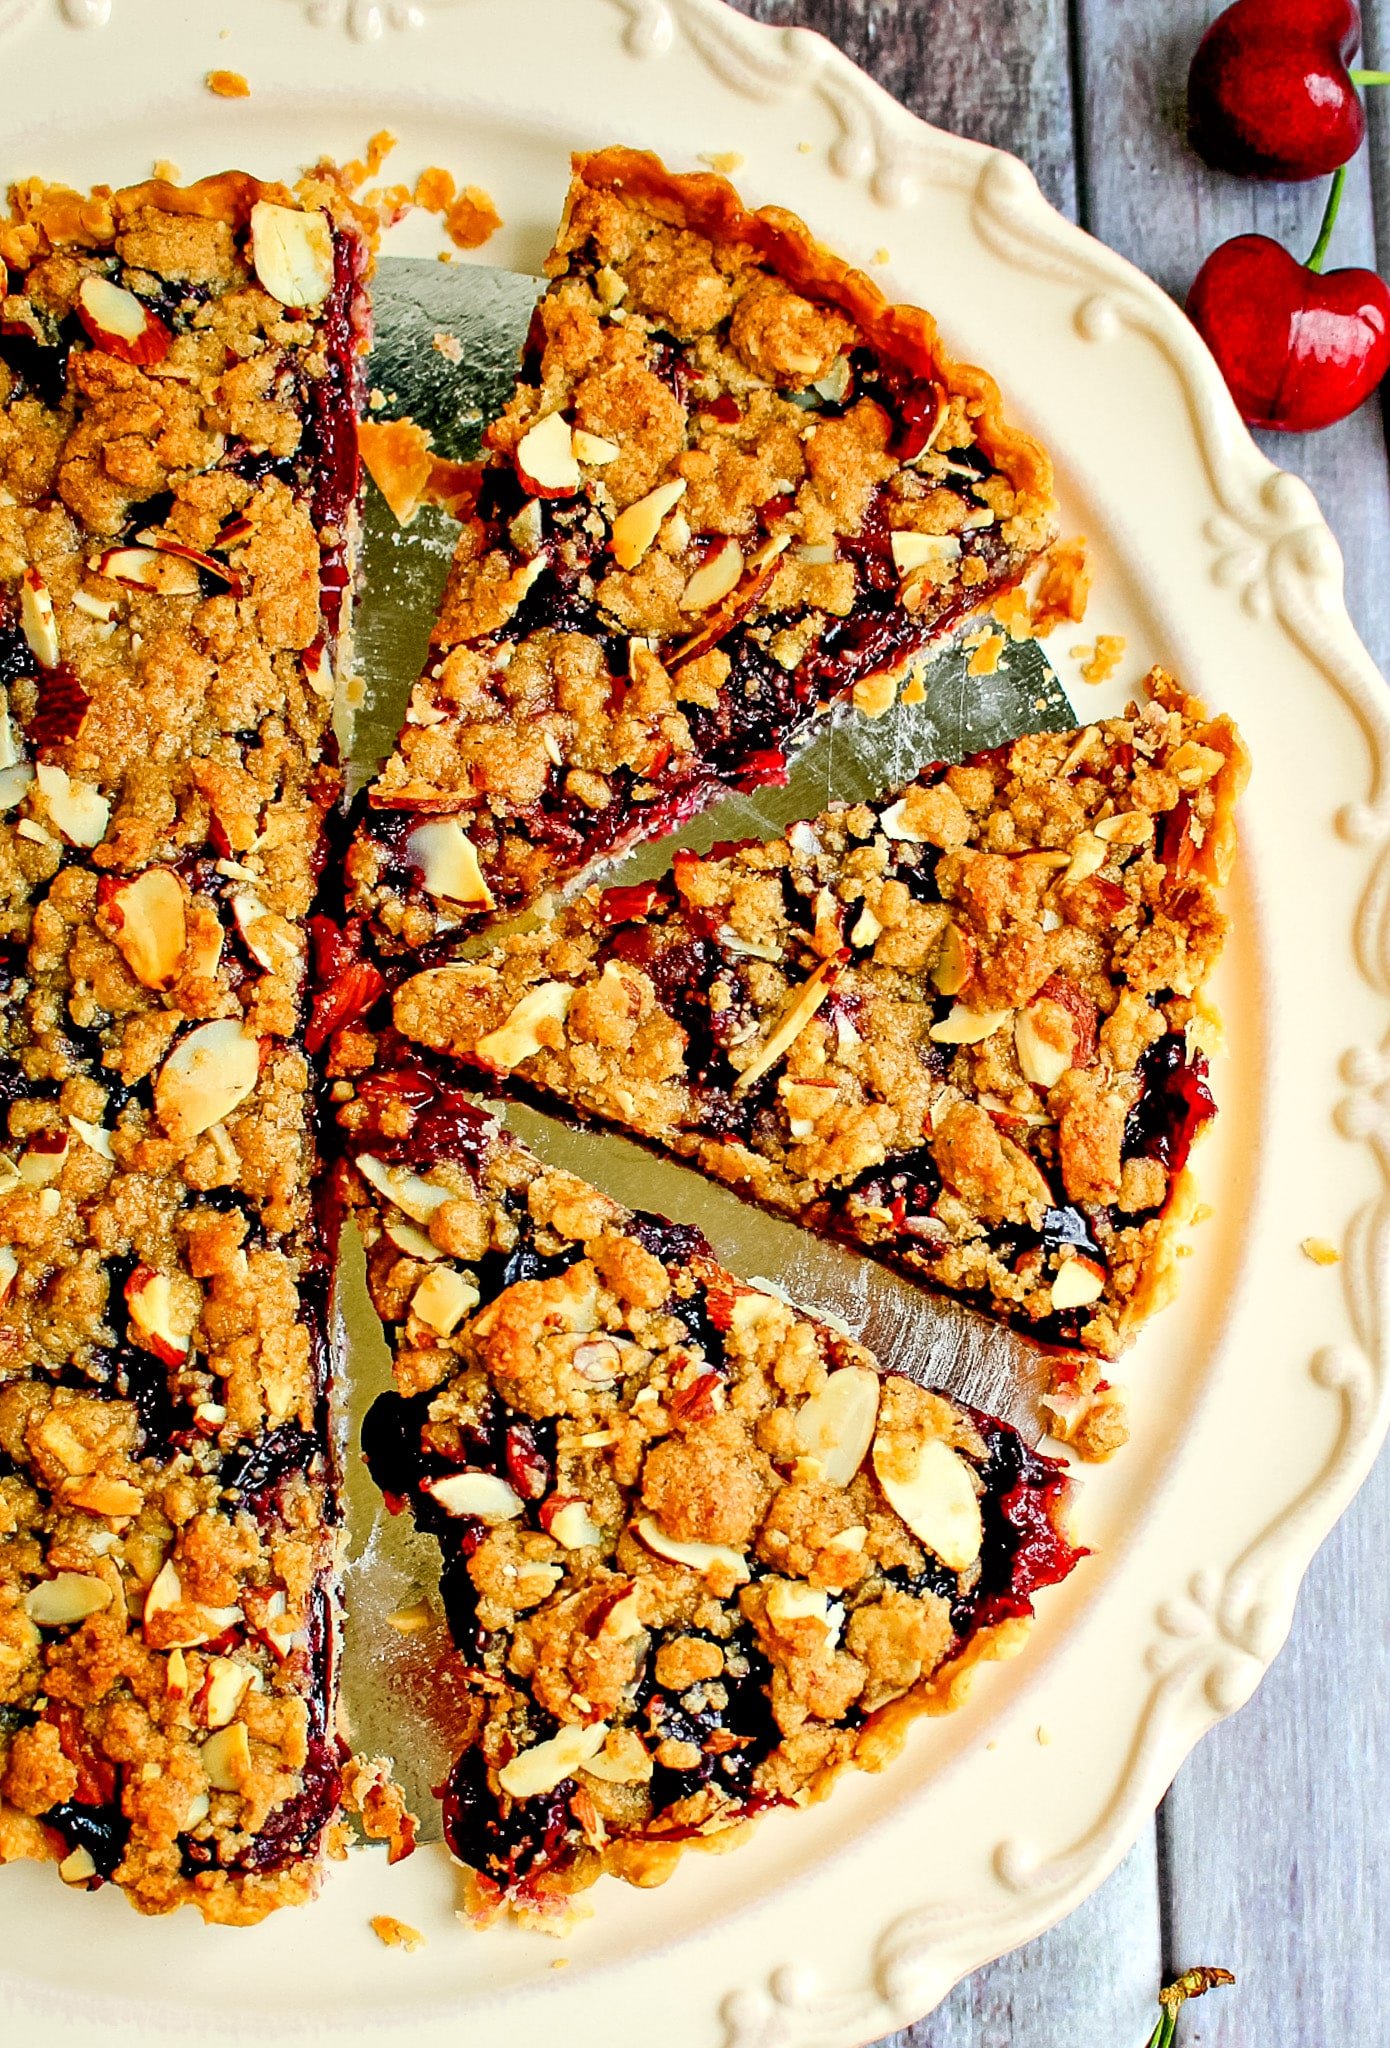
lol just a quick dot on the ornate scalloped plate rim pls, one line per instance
(1264, 547)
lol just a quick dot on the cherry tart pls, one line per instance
(734, 486)
(701, 1554)
(955, 1027)
(179, 373)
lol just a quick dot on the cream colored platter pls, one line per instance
(1258, 1402)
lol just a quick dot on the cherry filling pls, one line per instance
(507, 1840)
(1175, 1104)
(331, 404)
(728, 1719)
(40, 366)
(1024, 1547)
(102, 1831)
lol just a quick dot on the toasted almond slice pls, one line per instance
(1045, 1040)
(44, 1160)
(94, 1136)
(955, 963)
(148, 1299)
(150, 569)
(9, 1272)
(1088, 855)
(700, 1557)
(545, 458)
(152, 930)
(714, 579)
(790, 1601)
(36, 620)
(968, 1027)
(799, 1011)
(269, 939)
(14, 785)
(227, 1758)
(78, 1866)
(573, 1526)
(100, 1495)
(228, 1685)
(524, 1034)
(527, 529)
(594, 449)
(443, 1298)
(915, 550)
(448, 864)
(481, 1495)
(414, 1243)
(418, 1198)
(209, 1073)
(1126, 828)
(1078, 1283)
(66, 1598)
(934, 1492)
(413, 1620)
(547, 1764)
(894, 822)
(119, 323)
(78, 809)
(635, 529)
(292, 252)
(865, 929)
(837, 1424)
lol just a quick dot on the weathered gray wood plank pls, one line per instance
(997, 70)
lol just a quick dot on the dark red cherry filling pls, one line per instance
(1177, 1101)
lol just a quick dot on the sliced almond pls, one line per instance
(635, 529)
(700, 1557)
(1045, 1040)
(44, 1160)
(270, 940)
(165, 1597)
(1126, 828)
(78, 1866)
(101, 1495)
(931, 1487)
(547, 1764)
(968, 1027)
(150, 569)
(36, 620)
(573, 1526)
(917, 550)
(524, 1033)
(150, 921)
(790, 1601)
(527, 530)
(208, 1074)
(119, 323)
(292, 252)
(714, 579)
(865, 929)
(594, 450)
(14, 785)
(418, 1198)
(152, 1321)
(837, 1424)
(66, 1598)
(227, 1686)
(545, 458)
(227, 1758)
(481, 1495)
(894, 821)
(9, 1272)
(414, 1243)
(414, 1620)
(799, 1010)
(1078, 1283)
(78, 809)
(448, 864)
(443, 1298)
(1088, 855)
(955, 963)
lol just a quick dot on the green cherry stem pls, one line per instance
(1329, 221)
(1370, 77)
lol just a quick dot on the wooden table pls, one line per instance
(1270, 1853)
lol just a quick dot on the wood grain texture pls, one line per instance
(1269, 1854)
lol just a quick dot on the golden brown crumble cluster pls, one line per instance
(177, 373)
(700, 1555)
(732, 485)
(951, 1027)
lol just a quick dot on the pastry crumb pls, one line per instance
(1044, 1737)
(882, 255)
(1100, 662)
(412, 1620)
(357, 171)
(228, 85)
(472, 219)
(396, 1933)
(1321, 1251)
(874, 695)
(449, 346)
(986, 657)
(169, 173)
(915, 691)
(1064, 587)
(396, 456)
(725, 161)
(1011, 611)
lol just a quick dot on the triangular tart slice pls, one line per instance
(734, 485)
(959, 1027)
(701, 1553)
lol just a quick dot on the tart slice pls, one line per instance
(178, 382)
(954, 1027)
(734, 486)
(700, 1553)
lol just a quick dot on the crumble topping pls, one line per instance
(732, 486)
(700, 1554)
(950, 1027)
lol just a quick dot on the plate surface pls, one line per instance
(1259, 1401)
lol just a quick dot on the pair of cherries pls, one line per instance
(1272, 94)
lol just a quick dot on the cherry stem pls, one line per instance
(1370, 77)
(1329, 221)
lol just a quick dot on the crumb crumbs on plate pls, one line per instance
(984, 661)
(472, 219)
(396, 1933)
(227, 85)
(1100, 662)
(1064, 588)
(168, 172)
(1321, 1251)
(882, 255)
(560, 1963)
(1044, 1737)
(359, 169)
(804, 148)
(915, 691)
(874, 695)
(726, 161)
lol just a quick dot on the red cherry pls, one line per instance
(1270, 94)
(1298, 350)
